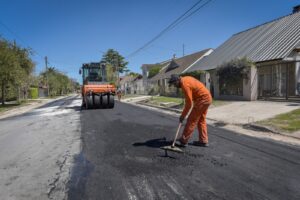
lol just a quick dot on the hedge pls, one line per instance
(33, 93)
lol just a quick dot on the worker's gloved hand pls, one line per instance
(181, 119)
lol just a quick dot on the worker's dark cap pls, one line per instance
(174, 78)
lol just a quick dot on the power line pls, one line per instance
(18, 37)
(26, 44)
(192, 13)
(180, 19)
(164, 30)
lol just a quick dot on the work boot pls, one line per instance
(200, 144)
(181, 143)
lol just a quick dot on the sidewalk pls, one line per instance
(246, 114)
(239, 115)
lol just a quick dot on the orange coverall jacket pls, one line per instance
(195, 92)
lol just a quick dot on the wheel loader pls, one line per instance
(97, 91)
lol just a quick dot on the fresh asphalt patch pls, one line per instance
(121, 159)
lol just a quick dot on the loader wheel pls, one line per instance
(97, 101)
(104, 102)
(111, 101)
(89, 102)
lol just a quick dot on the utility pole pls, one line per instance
(182, 49)
(116, 65)
(46, 64)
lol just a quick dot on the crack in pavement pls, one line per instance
(53, 185)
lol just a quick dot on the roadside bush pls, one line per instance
(196, 74)
(33, 93)
(235, 70)
(153, 71)
(232, 75)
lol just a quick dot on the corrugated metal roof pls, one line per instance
(269, 41)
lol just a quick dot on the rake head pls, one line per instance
(172, 148)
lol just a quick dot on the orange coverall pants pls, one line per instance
(197, 117)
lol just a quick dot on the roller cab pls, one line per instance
(97, 90)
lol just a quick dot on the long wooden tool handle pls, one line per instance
(176, 134)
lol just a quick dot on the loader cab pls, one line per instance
(93, 73)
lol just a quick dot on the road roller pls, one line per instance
(97, 91)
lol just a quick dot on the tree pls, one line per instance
(110, 75)
(134, 74)
(154, 70)
(58, 82)
(113, 58)
(26, 67)
(8, 67)
(16, 69)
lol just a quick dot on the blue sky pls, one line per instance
(72, 32)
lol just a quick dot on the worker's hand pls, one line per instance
(181, 119)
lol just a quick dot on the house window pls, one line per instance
(278, 80)
(231, 89)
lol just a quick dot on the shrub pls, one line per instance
(231, 75)
(195, 74)
(233, 71)
(33, 93)
(153, 71)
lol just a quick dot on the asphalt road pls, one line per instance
(37, 150)
(121, 159)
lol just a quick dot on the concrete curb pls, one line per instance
(217, 123)
(160, 107)
(268, 129)
(135, 99)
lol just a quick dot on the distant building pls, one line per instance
(159, 82)
(132, 84)
(147, 84)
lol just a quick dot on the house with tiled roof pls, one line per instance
(176, 66)
(274, 48)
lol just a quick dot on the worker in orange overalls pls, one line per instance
(195, 92)
(119, 93)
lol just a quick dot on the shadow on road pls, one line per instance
(154, 143)
(294, 104)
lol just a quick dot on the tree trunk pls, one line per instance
(19, 95)
(26, 93)
(3, 93)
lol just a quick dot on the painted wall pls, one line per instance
(297, 74)
(250, 87)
